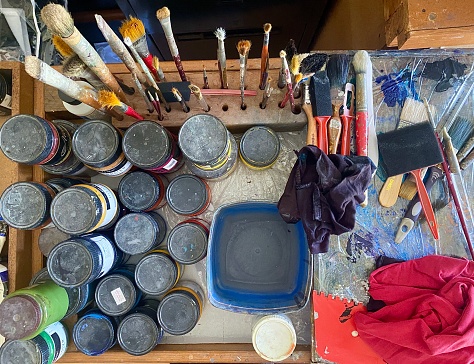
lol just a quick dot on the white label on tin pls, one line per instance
(58, 334)
(7, 102)
(127, 166)
(111, 202)
(170, 164)
(108, 253)
(118, 296)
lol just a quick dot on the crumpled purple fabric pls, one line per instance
(323, 192)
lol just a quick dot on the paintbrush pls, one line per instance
(346, 118)
(282, 75)
(461, 131)
(313, 62)
(46, 74)
(204, 76)
(63, 49)
(59, 21)
(109, 100)
(156, 64)
(288, 83)
(267, 93)
(163, 16)
(180, 99)
(243, 47)
(312, 133)
(74, 67)
(264, 58)
(298, 79)
(141, 91)
(221, 58)
(334, 130)
(156, 104)
(134, 29)
(148, 75)
(295, 70)
(227, 92)
(202, 102)
(322, 107)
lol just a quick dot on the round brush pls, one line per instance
(180, 99)
(243, 47)
(221, 59)
(264, 59)
(109, 100)
(288, 81)
(294, 70)
(156, 64)
(197, 92)
(63, 49)
(266, 95)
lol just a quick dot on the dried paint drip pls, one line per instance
(396, 87)
(143, 191)
(447, 72)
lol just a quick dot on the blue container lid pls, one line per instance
(94, 333)
(256, 262)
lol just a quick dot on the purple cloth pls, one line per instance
(323, 192)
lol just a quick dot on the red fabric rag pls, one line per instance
(429, 312)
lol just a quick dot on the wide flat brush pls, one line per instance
(109, 100)
(264, 58)
(59, 21)
(320, 95)
(410, 149)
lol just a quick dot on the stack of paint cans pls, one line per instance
(210, 149)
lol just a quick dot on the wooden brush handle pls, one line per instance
(334, 132)
(312, 134)
(389, 193)
(322, 123)
(426, 204)
(346, 134)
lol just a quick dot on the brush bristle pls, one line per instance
(194, 88)
(220, 33)
(108, 99)
(337, 69)
(163, 13)
(298, 77)
(62, 47)
(156, 62)
(33, 66)
(461, 130)
(176, 93)
(132, 28)
(361, 62)
(282, 54)
(244, 47)
(73, 66)
(267, 27)
(290, 50)
(295, 65)
(313, 63)
(58, 20)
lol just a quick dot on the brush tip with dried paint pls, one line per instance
(361, 62)
(220, 33)
(295, 65)
(108, 99)
(58, 20)
(267, 27)
(243, 47)
(298, 77)
(62, 47)
(156, 62)
(163, 13)
(194, 88)
(33, 66)
(132, 28)
(282, 54)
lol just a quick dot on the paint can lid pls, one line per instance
(73, 211)
(147, 144)
(70, 264)
(274, 337)
(138, 191)
(137, 233)
(41, 276)
(20, 317)
(187, 243)
(178, 313)
(187, 194)
(94, 334)
(23, 139)
(260, 146)
(49, 238)
(115, 295)
(95, 142)
(22, 352)
(156, 274)
(138, 334)
(24, 205)
(203, 139)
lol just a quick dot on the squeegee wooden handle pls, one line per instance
(362, 134)
(346, 134)
(426, 203)
(312, 134)
(322, 122)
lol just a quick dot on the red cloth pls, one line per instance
(429, 312)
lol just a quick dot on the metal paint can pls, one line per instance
(29, 139)
(95, 333)
(187, 241)
(5, 92)
(188, 195)
(81, 260)
(116, 294)
(26, 205)
(181, 308)
(98, 144)
(143, 191)
(139, 332)
(139, 232)
(157, 272)
(84, 208)
(60, 184)
(259, 148)
(274, 337)
(150, 146)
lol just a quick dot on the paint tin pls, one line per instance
(181, 308)
(81, 260)
(28, 311)
(98, 144)
(140, 332)
(259, 148)
(5, 93)
(60, 184)
(79, 297)
(46, 348)
(274, 337)
(84, 208)
(188, 195)
(116, 294)
(95, 333)
(143, 191)
(187, 241)
(29, 139)
(210, 149)
(26, 205)
(150, 146)
(140, 232)
(157, 272)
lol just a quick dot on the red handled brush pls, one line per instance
(109, 100)
(346, 119)
(320, 95)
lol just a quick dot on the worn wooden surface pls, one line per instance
(226, 108)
